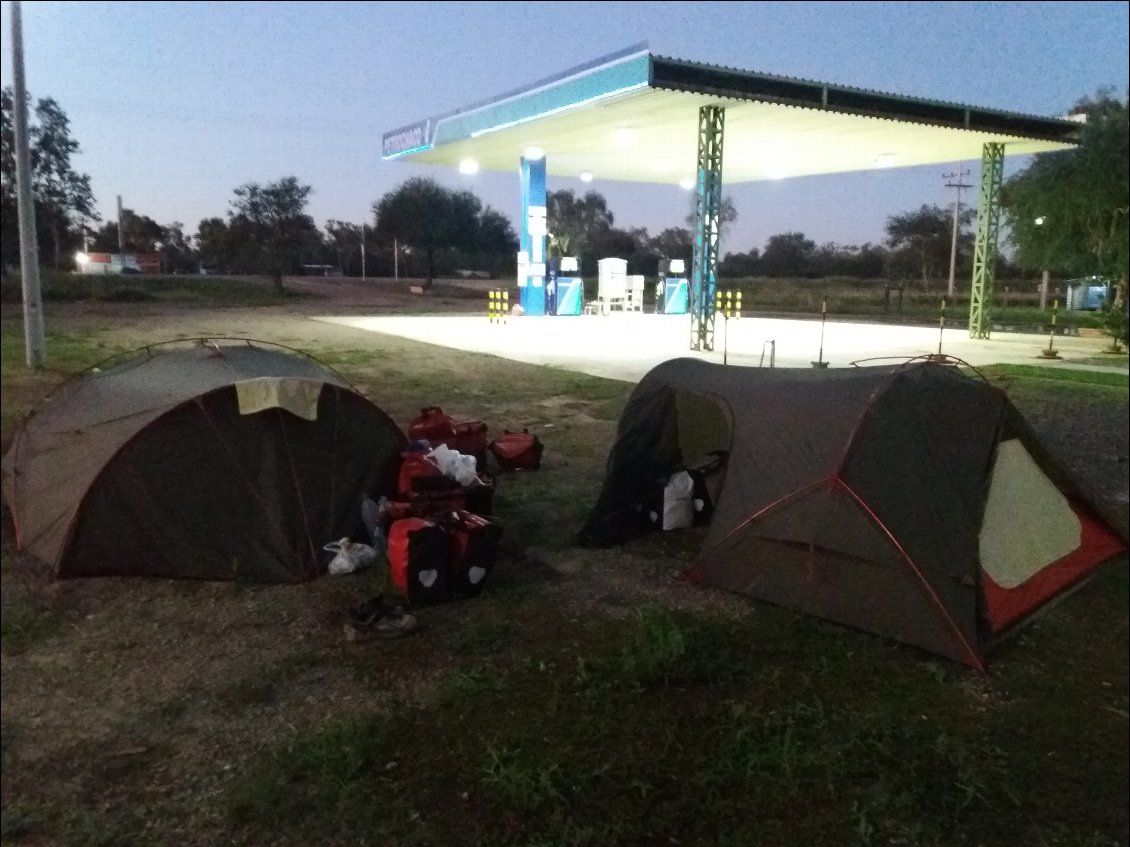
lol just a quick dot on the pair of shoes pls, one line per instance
(369, 612)
(393, 624)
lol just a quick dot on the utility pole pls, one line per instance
(395, 260)
(958, 174)
(121, 233)
(1040, 221)
(362, 251)
(34, 343)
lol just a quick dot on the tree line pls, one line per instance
(1066, 213)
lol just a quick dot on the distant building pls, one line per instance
(119, 263)
(1089, 293)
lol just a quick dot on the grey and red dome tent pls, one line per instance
(911, 501)
(212, 459)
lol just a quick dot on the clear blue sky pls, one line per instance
(176, 104)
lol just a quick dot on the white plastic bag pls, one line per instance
(455, 465)
(678, 506)
(349, 556)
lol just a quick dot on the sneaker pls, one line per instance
(394, 624)
(391, 625)
(369, 612)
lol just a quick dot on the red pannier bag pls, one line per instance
(470, 439)
(517, 451)
(426, 504)
(414, 466)
(432, 426)
(399, 510)
(479, 495)
(436, 427)
(472, 549)
(417, 558)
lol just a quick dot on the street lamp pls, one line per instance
(82, 259)
(1040, 221)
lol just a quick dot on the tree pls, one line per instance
(215, 245)
(495, 244)
(1067, 211)
(924, 236)
(632, 244)
(727, 214)
(848, 260)
(787, 254)
(271, 221)
(738, 265)
(175, 248)
(345, 240)
(60, 192)
(141, 234)
(496, 233)
(9, 203)
(675, 243)
(576, 223)
(428, 217)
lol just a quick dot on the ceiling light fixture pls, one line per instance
(468, 167)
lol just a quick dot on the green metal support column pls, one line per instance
(985, 248)
(708, 210)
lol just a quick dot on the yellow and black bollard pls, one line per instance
(1051, 352)
(728, 303)
(498, 305)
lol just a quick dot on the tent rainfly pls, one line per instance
(211, 460)
(909, 501)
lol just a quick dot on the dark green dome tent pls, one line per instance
(224, 459)
(910, 501)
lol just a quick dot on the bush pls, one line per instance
(1115, 321)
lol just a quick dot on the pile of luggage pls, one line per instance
(438, 531)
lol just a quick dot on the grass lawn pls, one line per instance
(587, 698)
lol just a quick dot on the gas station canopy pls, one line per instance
(634, 116)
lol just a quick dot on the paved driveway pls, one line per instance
(627, 345)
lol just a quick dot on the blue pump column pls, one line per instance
(532, 272)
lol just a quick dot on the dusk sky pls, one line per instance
(177, 104)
